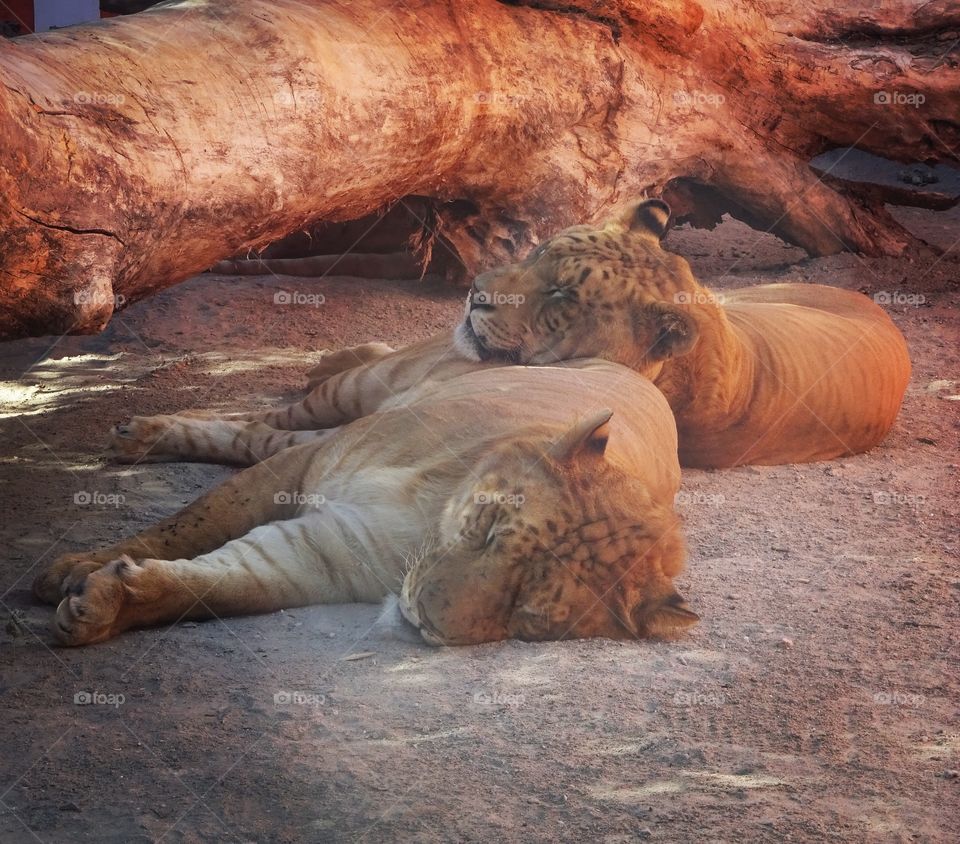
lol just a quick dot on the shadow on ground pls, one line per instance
(817, 700)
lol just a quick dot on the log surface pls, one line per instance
(139, 151)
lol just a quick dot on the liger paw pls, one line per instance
(141, 439)
(91, 608)
(52, 584)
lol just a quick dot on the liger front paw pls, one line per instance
(91, 610)
(52, 584)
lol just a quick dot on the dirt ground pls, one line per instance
(817, 700)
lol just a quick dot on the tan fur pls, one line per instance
(774, 374)
(781, 373)
(335, 362)
(532, 513)
(786, 373)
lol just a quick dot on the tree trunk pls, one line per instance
(137, 152)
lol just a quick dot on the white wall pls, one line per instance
(48, 13)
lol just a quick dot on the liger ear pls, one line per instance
(652, 216)
(587, 437)
(669, 616)
(668, 332)
(649, 216)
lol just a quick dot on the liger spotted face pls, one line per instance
(590, 291)
(551, 543)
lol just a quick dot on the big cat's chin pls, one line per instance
(467, 343)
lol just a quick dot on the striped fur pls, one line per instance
(388, 379)
(781, 373)
(532, 514)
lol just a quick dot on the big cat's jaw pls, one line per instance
(468, 344)
(472, 346)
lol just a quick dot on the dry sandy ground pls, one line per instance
(817, 700)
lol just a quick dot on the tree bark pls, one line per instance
(137, 152)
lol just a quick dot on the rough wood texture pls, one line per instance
(140, 150)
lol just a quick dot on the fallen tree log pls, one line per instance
(138, 151)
